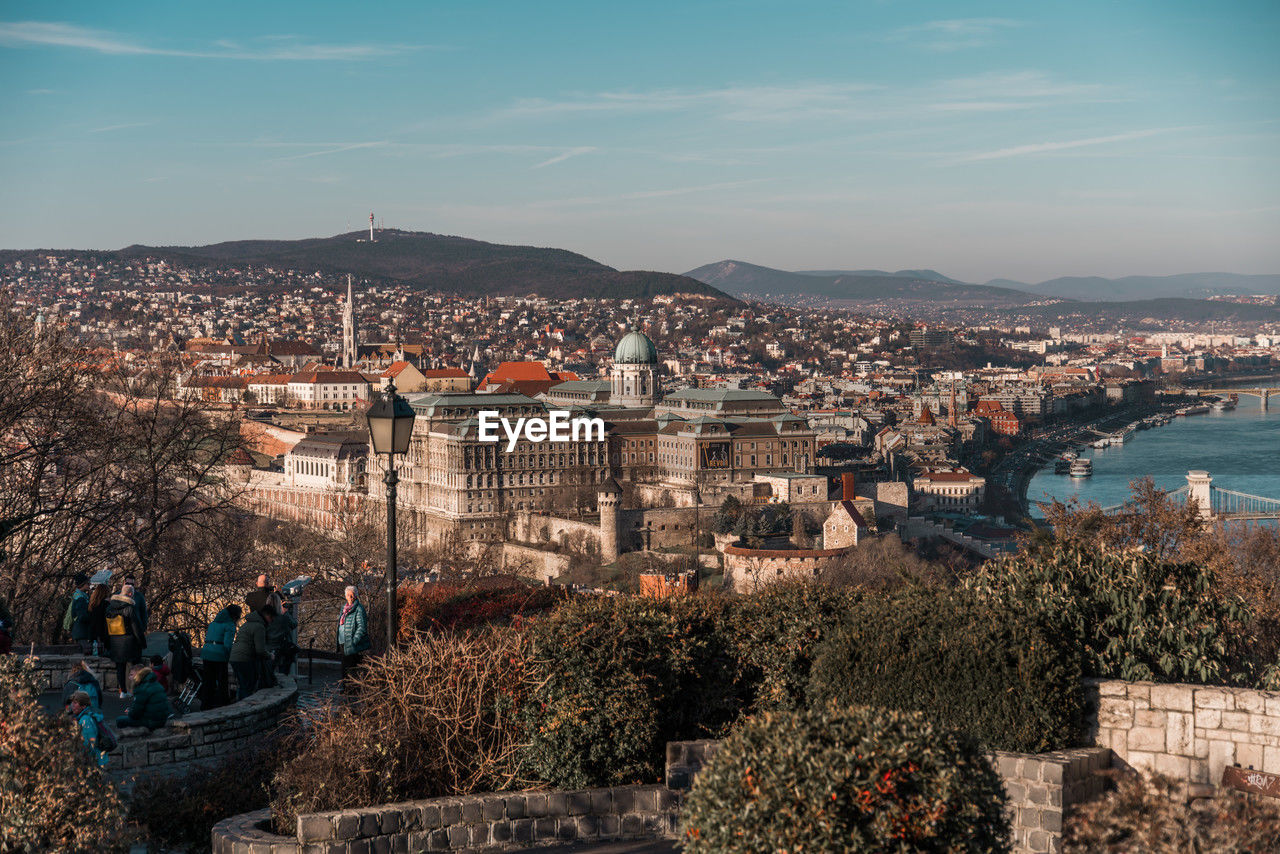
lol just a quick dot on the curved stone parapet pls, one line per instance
(201, 737)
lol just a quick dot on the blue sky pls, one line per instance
(1017, 139)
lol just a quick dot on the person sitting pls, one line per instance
(150, 707)
(162, 671)
(82, 679)
(90, 722)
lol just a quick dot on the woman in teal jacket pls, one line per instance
(353, 633)
(221, 633)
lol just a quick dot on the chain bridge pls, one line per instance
(1215, 503)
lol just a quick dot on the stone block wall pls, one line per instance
(56, 669)
(1041, 788)
(747, 570)
(201, 737)
(500, 821)
(1189, 733)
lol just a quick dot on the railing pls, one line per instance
(1223, 504)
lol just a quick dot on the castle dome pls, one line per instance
(635, 348)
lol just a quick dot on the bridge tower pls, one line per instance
(1199, 491)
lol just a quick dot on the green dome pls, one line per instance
(635, 348)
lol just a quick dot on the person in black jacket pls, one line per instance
(125, 633)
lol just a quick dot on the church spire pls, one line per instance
(349, 328)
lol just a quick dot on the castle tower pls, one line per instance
(634, 379)
(349, 356)
(608, 499)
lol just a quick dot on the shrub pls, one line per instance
(999, 674)
(1148, 814)
(433, 717)
(448, 607)
(616, 678)
(53, 796)
(1135, 616)
(776, 634)
(179, 812)
(845, 779)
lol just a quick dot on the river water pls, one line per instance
(1240, 449)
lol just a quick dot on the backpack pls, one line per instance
(116, 625)
(106, 740)
(69, 619)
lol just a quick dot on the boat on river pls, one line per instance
(1082, 468)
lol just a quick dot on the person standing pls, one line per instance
(98, 596)
(263, 595)
(280, 638)
(353, 633)
(249, 651)
(125, 633)
(140, 604)
(77, 619)
(218, 639)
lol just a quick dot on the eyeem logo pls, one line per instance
(558, 428)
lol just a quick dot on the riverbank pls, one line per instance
(1017, 470)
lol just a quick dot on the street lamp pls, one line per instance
(390, 420)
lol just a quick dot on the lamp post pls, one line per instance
(390, 420)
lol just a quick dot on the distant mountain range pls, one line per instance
(739, 277)
(434, 262)
(1149, 287)
(742, 279)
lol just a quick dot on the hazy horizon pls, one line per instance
(1018, 141)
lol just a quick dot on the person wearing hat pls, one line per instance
(77, 619)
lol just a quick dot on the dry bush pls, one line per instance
(1146, 815)
(53, 797)
(435, 716)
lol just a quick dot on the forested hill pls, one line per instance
(455, 265)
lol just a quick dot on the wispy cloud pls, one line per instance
(1044, 147)
(336, 148)
(29, 34)
(560, 158)
(41, 91)
(738, 103)
(644, 194)
(953, 33)
(124, 126)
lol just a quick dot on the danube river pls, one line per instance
(1240, 449)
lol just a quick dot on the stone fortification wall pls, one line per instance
(535, 564)
(746, 570)
(545, 529)
(1186, 732)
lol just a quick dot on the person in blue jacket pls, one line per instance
(214, 656)
(353, 633)
(89, 720)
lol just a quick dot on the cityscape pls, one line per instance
(446, 535)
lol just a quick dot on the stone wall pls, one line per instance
(746, 570)
(1041, 788)
(535, 564)
(201, 737)
(493, 822)
(55, 669)
(1186, 732)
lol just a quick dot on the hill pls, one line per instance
(741, 279)
(1149, 287)
(455, 265)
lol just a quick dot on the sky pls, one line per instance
(1003, 139)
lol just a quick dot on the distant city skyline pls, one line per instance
(1004, 139)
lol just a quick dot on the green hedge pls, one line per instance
(846, 779)
(998, 673)
(616, 678)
